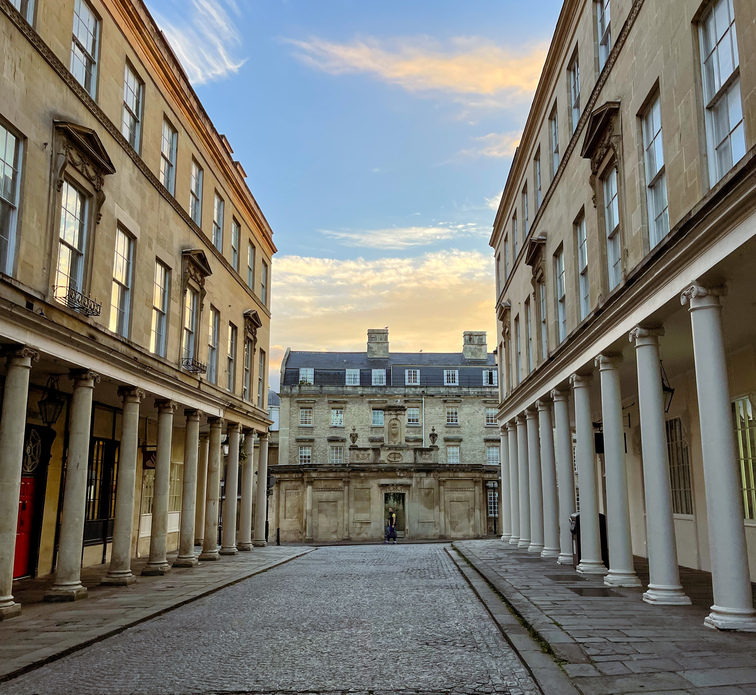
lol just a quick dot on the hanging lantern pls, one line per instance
(667, 389)
(51, 404)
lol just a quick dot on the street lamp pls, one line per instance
(667, 389)
(51, 404)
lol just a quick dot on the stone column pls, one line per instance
(535, 482)
(199, 515)
(186, 556)
(590, 541)
(505, 502)
(228, 546)
(522, 464)
(262, 493)
(248, 478)
(514, 482)
(621, 568)
(67, 585)
(119, 573)
(733, 604)
(664, 576)
(441, 508)
(347, 507)
(214, 458)
(308, 509)
(158, 563)
(548, 476)
(12, 434)
(565, 474)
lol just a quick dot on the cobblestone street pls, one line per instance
(396, 619)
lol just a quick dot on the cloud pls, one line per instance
(493, 202)
(471, 67)
(494, 145)
(426, 301)
(205, 38)
(398, 238)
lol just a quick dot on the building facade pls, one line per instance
(625, 257)
(362, 431)
(134, 301)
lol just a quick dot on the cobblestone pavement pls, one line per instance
(365, 619)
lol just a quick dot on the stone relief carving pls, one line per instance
(394, 431)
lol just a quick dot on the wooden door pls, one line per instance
(24, 530)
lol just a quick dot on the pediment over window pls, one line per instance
(600, 121)
(503, 312)
(195, 269)
(80, 148)
(251, 323)
(534, 250)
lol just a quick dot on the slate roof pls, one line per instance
(359, 360)
(273, 398)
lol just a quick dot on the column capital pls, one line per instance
(248, 431)
(233, 426)
(165, 405)
(557, 395)
(131, 394)
(204, 436)
(216, 422)
(22, 356)
(580, 381)
(608, 361)
(520, 419)
(192, 414)
(84, 378)
(262, 436)
(531, 414)
(697, 296)
(643, 335)
(511, 426)
(543, 403)
(503, 430)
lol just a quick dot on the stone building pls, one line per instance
(625, 253)
(362, 431)
(134, 301)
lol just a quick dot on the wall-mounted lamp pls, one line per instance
(51, 404)
(667, 389)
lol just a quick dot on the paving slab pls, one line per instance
(44, 632)
(618, 644)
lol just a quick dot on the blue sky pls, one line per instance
(376, 137)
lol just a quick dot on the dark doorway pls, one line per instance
(101, 492)
(396, 501)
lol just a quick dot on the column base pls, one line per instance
(619, 578)
(731, 619)
(119, 579)
(550, 552)
(228, 550)
(564, 559)
(244, 546)
(259, 544)
(523, 543)
(208, 556)
(188, 561)
(535, 548)
(591, 567)
(505, 537)
(60, 594)
(666, 596)
(156, 570)
(514, 540)
(10, 610)
(199, 541)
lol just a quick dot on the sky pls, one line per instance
(377, 138)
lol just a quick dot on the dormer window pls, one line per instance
(306, 376)
(352, 377)
(451, 377)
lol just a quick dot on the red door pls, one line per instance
(22, 561)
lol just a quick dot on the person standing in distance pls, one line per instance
(391, 526)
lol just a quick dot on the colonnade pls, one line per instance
(538, 486)
(200, 493)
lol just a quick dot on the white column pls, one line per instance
(664, 576)
(621, 568)
(514, 482)
(535, 483)
(522, 464)
(590, 541)
(565, 473)
(67, 585)
(186, 556)
(158, 562)
(120, 573)
(199, 509)
(505, 502)
(228, 546)
(548, 476)
(214, 458)
(347, 510)
(12, 434)
(262, 493)
(248, 478)
(308, 509)
(733, 603)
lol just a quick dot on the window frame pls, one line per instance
(134, 139)
(451, 377)
(247, 379)
(168, 159)
(25, 9)
(412, 377)
(304, 379)
(233, 339)
(219, 213)
(529, 361)
(525, 213)
(235, 242)
(336, 454)
(78, 251)
(304, 419)
(573, 71)
(251, 252)
(381, 374)
(377, 421)
(264, 272)
(584, 286)
(121, 287)
(351, 377)
(337, 417)
(159, 338)
(517, 351)
(497, 449)
(14, 205)
(89, 53)
(261, 371)
(612, 235)
(491, 417)
(305, 455)
(189, 332)
(456, 459)
(603, 31)
(537, 179)
(452, 416)
(543, 317)
(554, 141)
(196, 183)
(655, 179)
(494, 381)
(560, 294)
(213, 344)
(744, 405)
(413, 423)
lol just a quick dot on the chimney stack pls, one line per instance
(378, 344)
(474, 345)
